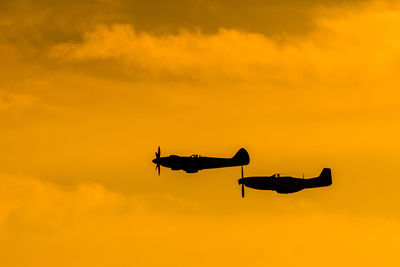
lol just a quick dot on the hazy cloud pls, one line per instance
(77, 223)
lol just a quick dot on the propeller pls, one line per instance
(158, 153)
(242, 184)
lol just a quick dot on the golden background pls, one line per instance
(88, 90)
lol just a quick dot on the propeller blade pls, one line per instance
(158, 169)
(158, 153)
(242, 190)
(157, 161)
(242, 171)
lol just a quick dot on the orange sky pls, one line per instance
(89, 90)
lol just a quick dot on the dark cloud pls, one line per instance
(61, 21)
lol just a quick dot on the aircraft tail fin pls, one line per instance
(326, 176)
(242, 157)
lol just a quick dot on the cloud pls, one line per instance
(343, 70)
(9, 101)
(89, 223)
(31, 203)
(339, 52)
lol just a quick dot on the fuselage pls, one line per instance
(194, 164)
(287, 184)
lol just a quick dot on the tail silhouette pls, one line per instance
(242, 157)
(326, 176)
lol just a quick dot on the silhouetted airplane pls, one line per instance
(195, 163)
(286, 184)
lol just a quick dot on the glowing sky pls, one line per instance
(90, 89)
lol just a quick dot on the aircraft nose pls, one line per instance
(155, 161)
(240, 181)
